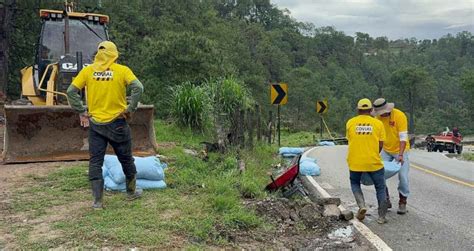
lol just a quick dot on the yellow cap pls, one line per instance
(364, 104)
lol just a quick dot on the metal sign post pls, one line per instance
(320, 126)
(278, 126)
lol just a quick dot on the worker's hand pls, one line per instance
(400, 159)
(126, 115)
(84, 118)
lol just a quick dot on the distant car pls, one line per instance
(445, 141)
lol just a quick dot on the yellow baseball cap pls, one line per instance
(364, 104)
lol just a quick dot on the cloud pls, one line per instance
(392, 18)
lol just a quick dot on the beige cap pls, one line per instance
(381, 106)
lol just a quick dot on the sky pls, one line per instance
(423, 19)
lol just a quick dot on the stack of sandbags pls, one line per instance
(150, 173)
(391, 168)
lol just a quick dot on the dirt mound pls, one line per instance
(295, 225)
(288, 213)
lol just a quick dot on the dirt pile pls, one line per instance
(295, 224)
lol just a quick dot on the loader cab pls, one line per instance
(86, 31)
(63, 35)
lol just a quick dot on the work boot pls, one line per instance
(359, 197)
(132, 191)
(382, 213)
(97, 193)
(402, 205)
(389, 204)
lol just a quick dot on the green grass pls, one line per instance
(301, 138)
(298, 139)
(468, 156)
(202, 198)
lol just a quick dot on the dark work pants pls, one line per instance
(118, 135)
(378, 177)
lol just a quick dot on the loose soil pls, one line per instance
(299, 225)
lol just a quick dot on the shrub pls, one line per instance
(190, 105)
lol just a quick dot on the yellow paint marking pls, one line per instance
(442, 176)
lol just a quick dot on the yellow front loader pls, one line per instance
(42, 126)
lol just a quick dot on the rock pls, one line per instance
(331, 211)
(328, 201)
(347, 215)
(190, 152)
(284, 214)
(309, 212)
(348, 239)
(294, 216)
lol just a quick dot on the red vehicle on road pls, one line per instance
(445, 141)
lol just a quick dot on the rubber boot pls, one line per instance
(389, 204)
(402, 205)
(382, 210)
(97, 193)
(359, 197)
(132, 191)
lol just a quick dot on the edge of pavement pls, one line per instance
(370, 236)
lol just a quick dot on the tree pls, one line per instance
(467, 80)
(413, 85)
(6, 11)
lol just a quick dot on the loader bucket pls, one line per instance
(53, 133)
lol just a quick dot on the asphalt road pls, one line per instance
(440, 208)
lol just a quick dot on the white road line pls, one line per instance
(374, 239)
(378, 243)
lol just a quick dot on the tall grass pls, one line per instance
(228, 95)
(190, 105)
(197, 106)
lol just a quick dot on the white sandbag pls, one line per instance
(149, 168)
(290, 150)
(110, 185)
(326, 143)
(391, 168)
(309, 167)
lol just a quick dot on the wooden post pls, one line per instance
(259, 122)
(250, 128)
(242, 128)
(270, 127)
(235, 128)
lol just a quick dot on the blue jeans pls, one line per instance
(379, 182)
(403, 182)
(118, 135)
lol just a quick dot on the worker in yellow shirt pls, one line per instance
(396, 146)
(106, 115)
(366, 136)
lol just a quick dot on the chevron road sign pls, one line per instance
(322, 107)
(279, 94)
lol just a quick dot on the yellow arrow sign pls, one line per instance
(322, 107)
(279, 94)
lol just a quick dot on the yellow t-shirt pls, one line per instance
(394, 125)
(106, 91)
(364, 134)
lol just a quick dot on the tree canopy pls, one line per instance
(169, 42)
